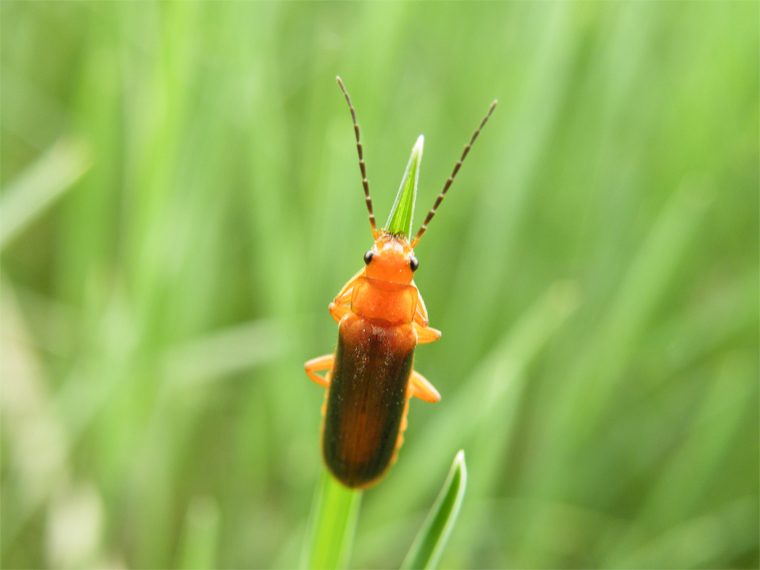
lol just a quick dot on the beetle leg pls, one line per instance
(350, 283)
(426, 334)
(317, 364)
(423, 389)
(420, 313)
(401, 430)
(342, 303)
(339, 307)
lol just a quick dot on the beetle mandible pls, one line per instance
(371, 378)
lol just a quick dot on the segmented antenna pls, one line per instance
(365, 182)
(438, 200)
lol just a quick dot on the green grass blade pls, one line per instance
(41, 184)
(334, 514)
(402, 212)
(200, 537)
(428, 546)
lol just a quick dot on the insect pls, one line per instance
(371, 378)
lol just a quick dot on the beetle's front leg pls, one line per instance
(341, 305)
(425, 333)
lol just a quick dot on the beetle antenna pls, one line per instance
(365, 182)
(438, 200)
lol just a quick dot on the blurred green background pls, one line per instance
(181, 200)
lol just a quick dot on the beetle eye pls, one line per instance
(413, 263)
(368, 256)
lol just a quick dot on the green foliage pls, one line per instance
(402, 212)
(180, 201)
(428, 546)
(200, 536)
(334, 515)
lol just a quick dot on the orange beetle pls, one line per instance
(370, 377)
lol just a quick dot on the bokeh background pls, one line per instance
(181, 200)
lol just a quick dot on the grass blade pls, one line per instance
(402, 212)
(428, 546)
(200, 537)
(41, 184)
(333, 518)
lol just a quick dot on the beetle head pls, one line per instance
(391, 259)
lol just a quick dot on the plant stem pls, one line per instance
(332, 525)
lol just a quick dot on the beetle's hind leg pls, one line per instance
(423, 389)
(317, 365)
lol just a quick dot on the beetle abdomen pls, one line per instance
(367, 399)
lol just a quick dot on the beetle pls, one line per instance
(370, 377)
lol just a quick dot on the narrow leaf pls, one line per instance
(428, 546)
(333, 519)
(29, 195)
(402, 212)
(200, 536)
